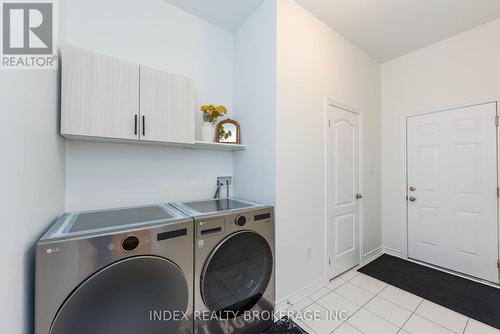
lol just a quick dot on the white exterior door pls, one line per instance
(452, 190)
(343, 218)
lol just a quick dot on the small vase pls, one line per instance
(207, 132)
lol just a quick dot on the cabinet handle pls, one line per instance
(135, 124)
(143, 125)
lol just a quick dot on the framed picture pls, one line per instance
(228, 132)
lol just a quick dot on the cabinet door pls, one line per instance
(100, 95)
(167, 107)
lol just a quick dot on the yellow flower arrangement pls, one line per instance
(211, 113)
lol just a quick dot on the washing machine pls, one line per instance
(127, 271)
(234, 288)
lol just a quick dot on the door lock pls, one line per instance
(359, 196)
(412, 199)
(412, 188)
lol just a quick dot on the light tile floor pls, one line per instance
(374, 307)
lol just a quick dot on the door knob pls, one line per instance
(359, 196)
(412, 199)
(412, 188)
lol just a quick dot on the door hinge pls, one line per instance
(498, 192)
(498, 264)
(329, 262)
(329, 122)
(497, 121)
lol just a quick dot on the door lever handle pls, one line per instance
(412, 199)
(359, 196)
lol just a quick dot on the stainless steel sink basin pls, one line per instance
(202, 207)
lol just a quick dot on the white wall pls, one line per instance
(255, 105)
(314, 62)
(157, 34)
(104, 175)
(32, 185)
(450, 73)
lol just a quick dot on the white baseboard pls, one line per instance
(392, 251)
(284, 303)
(372, 255)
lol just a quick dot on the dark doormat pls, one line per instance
(284, 326)
(475, 300)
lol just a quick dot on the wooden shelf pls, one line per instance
(218, 146)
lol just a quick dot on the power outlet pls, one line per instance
(223, 179)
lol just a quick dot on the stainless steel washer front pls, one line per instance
(236, 274)
(121, 271)
(119, 297)
(233, 267)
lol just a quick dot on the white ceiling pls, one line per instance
(227, 14)
(386, 29)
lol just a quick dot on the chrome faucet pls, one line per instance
(217, 192)
(223, 181)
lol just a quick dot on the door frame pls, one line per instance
(404, 174)
(330, 102)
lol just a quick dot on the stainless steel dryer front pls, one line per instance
(233, 267)
(124, 271)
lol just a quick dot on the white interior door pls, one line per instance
(343, 219)
(452, 189)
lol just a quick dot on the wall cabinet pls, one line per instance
(100, 95)
(167, 105)
(108, 98)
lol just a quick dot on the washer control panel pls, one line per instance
(265, 217)
(211, 227)
(130, 243)
(240, 220)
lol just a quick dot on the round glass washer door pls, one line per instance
(236, 274)
(119, 298)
